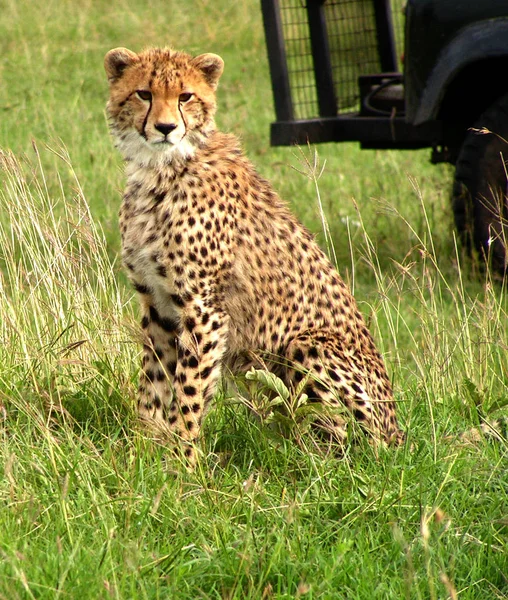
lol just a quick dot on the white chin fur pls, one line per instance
(135, 148)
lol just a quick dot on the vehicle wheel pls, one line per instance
(480, 190)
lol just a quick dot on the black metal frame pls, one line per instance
(277, 60)
(323, 72)
(391, 131)
(372, 132)
(385, 36)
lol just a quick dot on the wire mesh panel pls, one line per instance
(352, 39)
(299, 58)
(398, 18)
(354, 51)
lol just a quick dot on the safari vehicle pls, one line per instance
(421, 73)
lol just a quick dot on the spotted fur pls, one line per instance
(225, 273)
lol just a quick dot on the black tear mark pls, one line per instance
(143, 127)
(183, 119)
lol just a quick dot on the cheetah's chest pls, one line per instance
(143, 252)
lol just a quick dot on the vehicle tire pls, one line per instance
(480, 190)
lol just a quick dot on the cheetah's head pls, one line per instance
(162, 102)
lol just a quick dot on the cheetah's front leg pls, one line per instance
(201, 346)
(156, 393)
(181, 365)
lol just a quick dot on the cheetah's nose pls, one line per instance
(165, 128)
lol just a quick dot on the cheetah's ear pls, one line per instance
(211, 66)
(116, 61)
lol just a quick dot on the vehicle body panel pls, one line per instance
(442, 37)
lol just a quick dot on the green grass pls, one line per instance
(91, 508)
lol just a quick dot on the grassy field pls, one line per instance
(89, 507)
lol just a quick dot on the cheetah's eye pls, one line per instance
(185, 97)
(144, 95)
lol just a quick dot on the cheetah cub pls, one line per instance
(226, 275)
